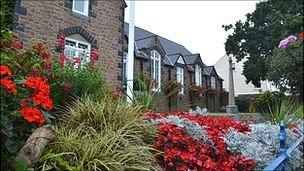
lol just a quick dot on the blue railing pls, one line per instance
(280, 163)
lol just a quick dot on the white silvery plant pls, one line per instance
(198, 111)
(193, 129)
(262, 145)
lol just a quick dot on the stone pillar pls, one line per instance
(232, 109)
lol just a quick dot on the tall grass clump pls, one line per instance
(287, 110)
(102, 135)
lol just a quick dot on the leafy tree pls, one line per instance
(262, 31)
(286, 68)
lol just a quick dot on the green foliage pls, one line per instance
(14, 129)
(21, 165)
(82, 80)
(101, 135)
(243, 103)
(7, 13)
(287, 110)
(286, 69)
(261, 33)
(150, 99)
(266, 99)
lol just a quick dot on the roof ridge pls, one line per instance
(158, 36)
(146, 37)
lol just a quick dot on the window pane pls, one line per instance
(70, 52)
(79, 5)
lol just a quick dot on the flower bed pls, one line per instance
(198, 142)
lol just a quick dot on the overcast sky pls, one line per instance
(195, 24)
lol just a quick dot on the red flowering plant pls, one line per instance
(25, 91)
(74, 76)
(197, 90)
(194, 142)
(212, 91)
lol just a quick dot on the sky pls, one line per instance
(195, 24)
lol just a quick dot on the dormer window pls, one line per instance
(155, 69)
(198, 75)
(81, 6)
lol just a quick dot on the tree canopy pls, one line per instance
(262, 31)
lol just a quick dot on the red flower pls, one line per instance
(47, 64)
(94, 55)
(46, 55)
(17, 44)
(9, 85)
(62, 59)
(5, 71)
(182, 152)
(60, 40)
(42, 100)
(301, 36)
(77, 60)
(31, 114)
(39, 47)
(66, 87)
(42, 92)
(38, 84)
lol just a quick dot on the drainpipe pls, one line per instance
(130, 57)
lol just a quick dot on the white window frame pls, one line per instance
(212, 82)
(198, 75)
(155, 56)
(180, 78)
(77, 49)
(86, 7)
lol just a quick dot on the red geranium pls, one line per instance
(31, 114)
(5, 71)
(42, 100)
(9, 85)
(6, 81)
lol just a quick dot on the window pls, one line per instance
(155, 69)
(180, 78)
(198, 75)
(124, 67)
(212, 82)
(75, 48)
(81, 6)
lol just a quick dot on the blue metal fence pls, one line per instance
(280, 163)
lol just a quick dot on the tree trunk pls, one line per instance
(35, 145)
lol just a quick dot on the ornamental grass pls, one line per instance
(105, 134)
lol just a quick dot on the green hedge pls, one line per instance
(7, 13)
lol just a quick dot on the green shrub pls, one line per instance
(70, 83)
(266, 99)
(101, 135)
(243, 103)
(7, 13)
(287, 110)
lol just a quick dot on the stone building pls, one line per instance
(99, 25)
(164, 60)
(86, 24)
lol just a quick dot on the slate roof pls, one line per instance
(174, 57)
(208, 70)
(190, 59)
(169, 46)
